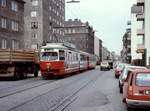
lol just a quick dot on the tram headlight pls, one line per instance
(48, 67)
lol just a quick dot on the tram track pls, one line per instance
(25, 89)
(60, 105)
(23, 82)
(70, 99)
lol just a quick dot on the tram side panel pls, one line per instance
(91, 62)
(71, 61)
(83, 62)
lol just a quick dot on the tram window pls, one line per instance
(49, 56)
(76, 57)
(61, 55)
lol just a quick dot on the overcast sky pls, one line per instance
(108, 18)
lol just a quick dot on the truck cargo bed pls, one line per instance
(18, 56)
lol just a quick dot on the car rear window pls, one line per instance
(143, 79)
(104, 63)
(120, 67)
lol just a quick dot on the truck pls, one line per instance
(17, 64)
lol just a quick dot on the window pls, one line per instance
(34, 25)
(14, 6)
(33, 14)
(14, 25)
(3, 23)
(14, 44)
(49, 56)
(34, 2)
(4, 44)
(61, 55)
(34, 36)
(3, 3)
(35, 46)
(143, 79)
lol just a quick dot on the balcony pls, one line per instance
(140, 48)
(140, 2)
(140, 17)
(140, 31)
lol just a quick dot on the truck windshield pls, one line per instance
(143, 79)
(49, 56)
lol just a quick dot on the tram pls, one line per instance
(57, 59)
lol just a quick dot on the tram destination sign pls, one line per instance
(67, 44)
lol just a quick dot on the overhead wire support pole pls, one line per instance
(73, 1)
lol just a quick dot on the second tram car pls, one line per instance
(62, 58)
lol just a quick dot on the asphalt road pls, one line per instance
(91, 90)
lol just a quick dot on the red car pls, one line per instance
(136, 89)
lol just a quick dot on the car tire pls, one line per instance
(129, 108)
(116, 76)
(121, 90)
(36, 74)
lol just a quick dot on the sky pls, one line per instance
(108, 18)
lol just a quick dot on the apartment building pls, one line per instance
(141, 31)
(105, 54)
(98, 48)
(136, 39)
(41, 18)
(126, 52)
(11, 24)
(80, 34)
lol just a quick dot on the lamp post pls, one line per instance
(73, 1)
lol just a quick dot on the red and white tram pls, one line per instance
(62, 58)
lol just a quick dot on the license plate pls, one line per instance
(148, 92)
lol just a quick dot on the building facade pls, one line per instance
(11, 24)
(140, 32)
(105, 54)
(41, 18)
(80, 34)
(135, 38)
(98, 48)
(126, 52)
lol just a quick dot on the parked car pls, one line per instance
(104, 65)
(136, 89)
(111, 64)
(119, 69)
(124, 73)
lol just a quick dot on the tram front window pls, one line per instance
(49, 56)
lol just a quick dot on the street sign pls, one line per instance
(140, 51)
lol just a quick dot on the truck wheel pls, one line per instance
(16, 76)
(22, 76)
(36, 74)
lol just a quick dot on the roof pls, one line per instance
(128, 66)
(141, 71)
(54, 45)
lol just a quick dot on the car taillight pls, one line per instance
(130, 90)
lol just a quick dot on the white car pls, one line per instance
(104, 65)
